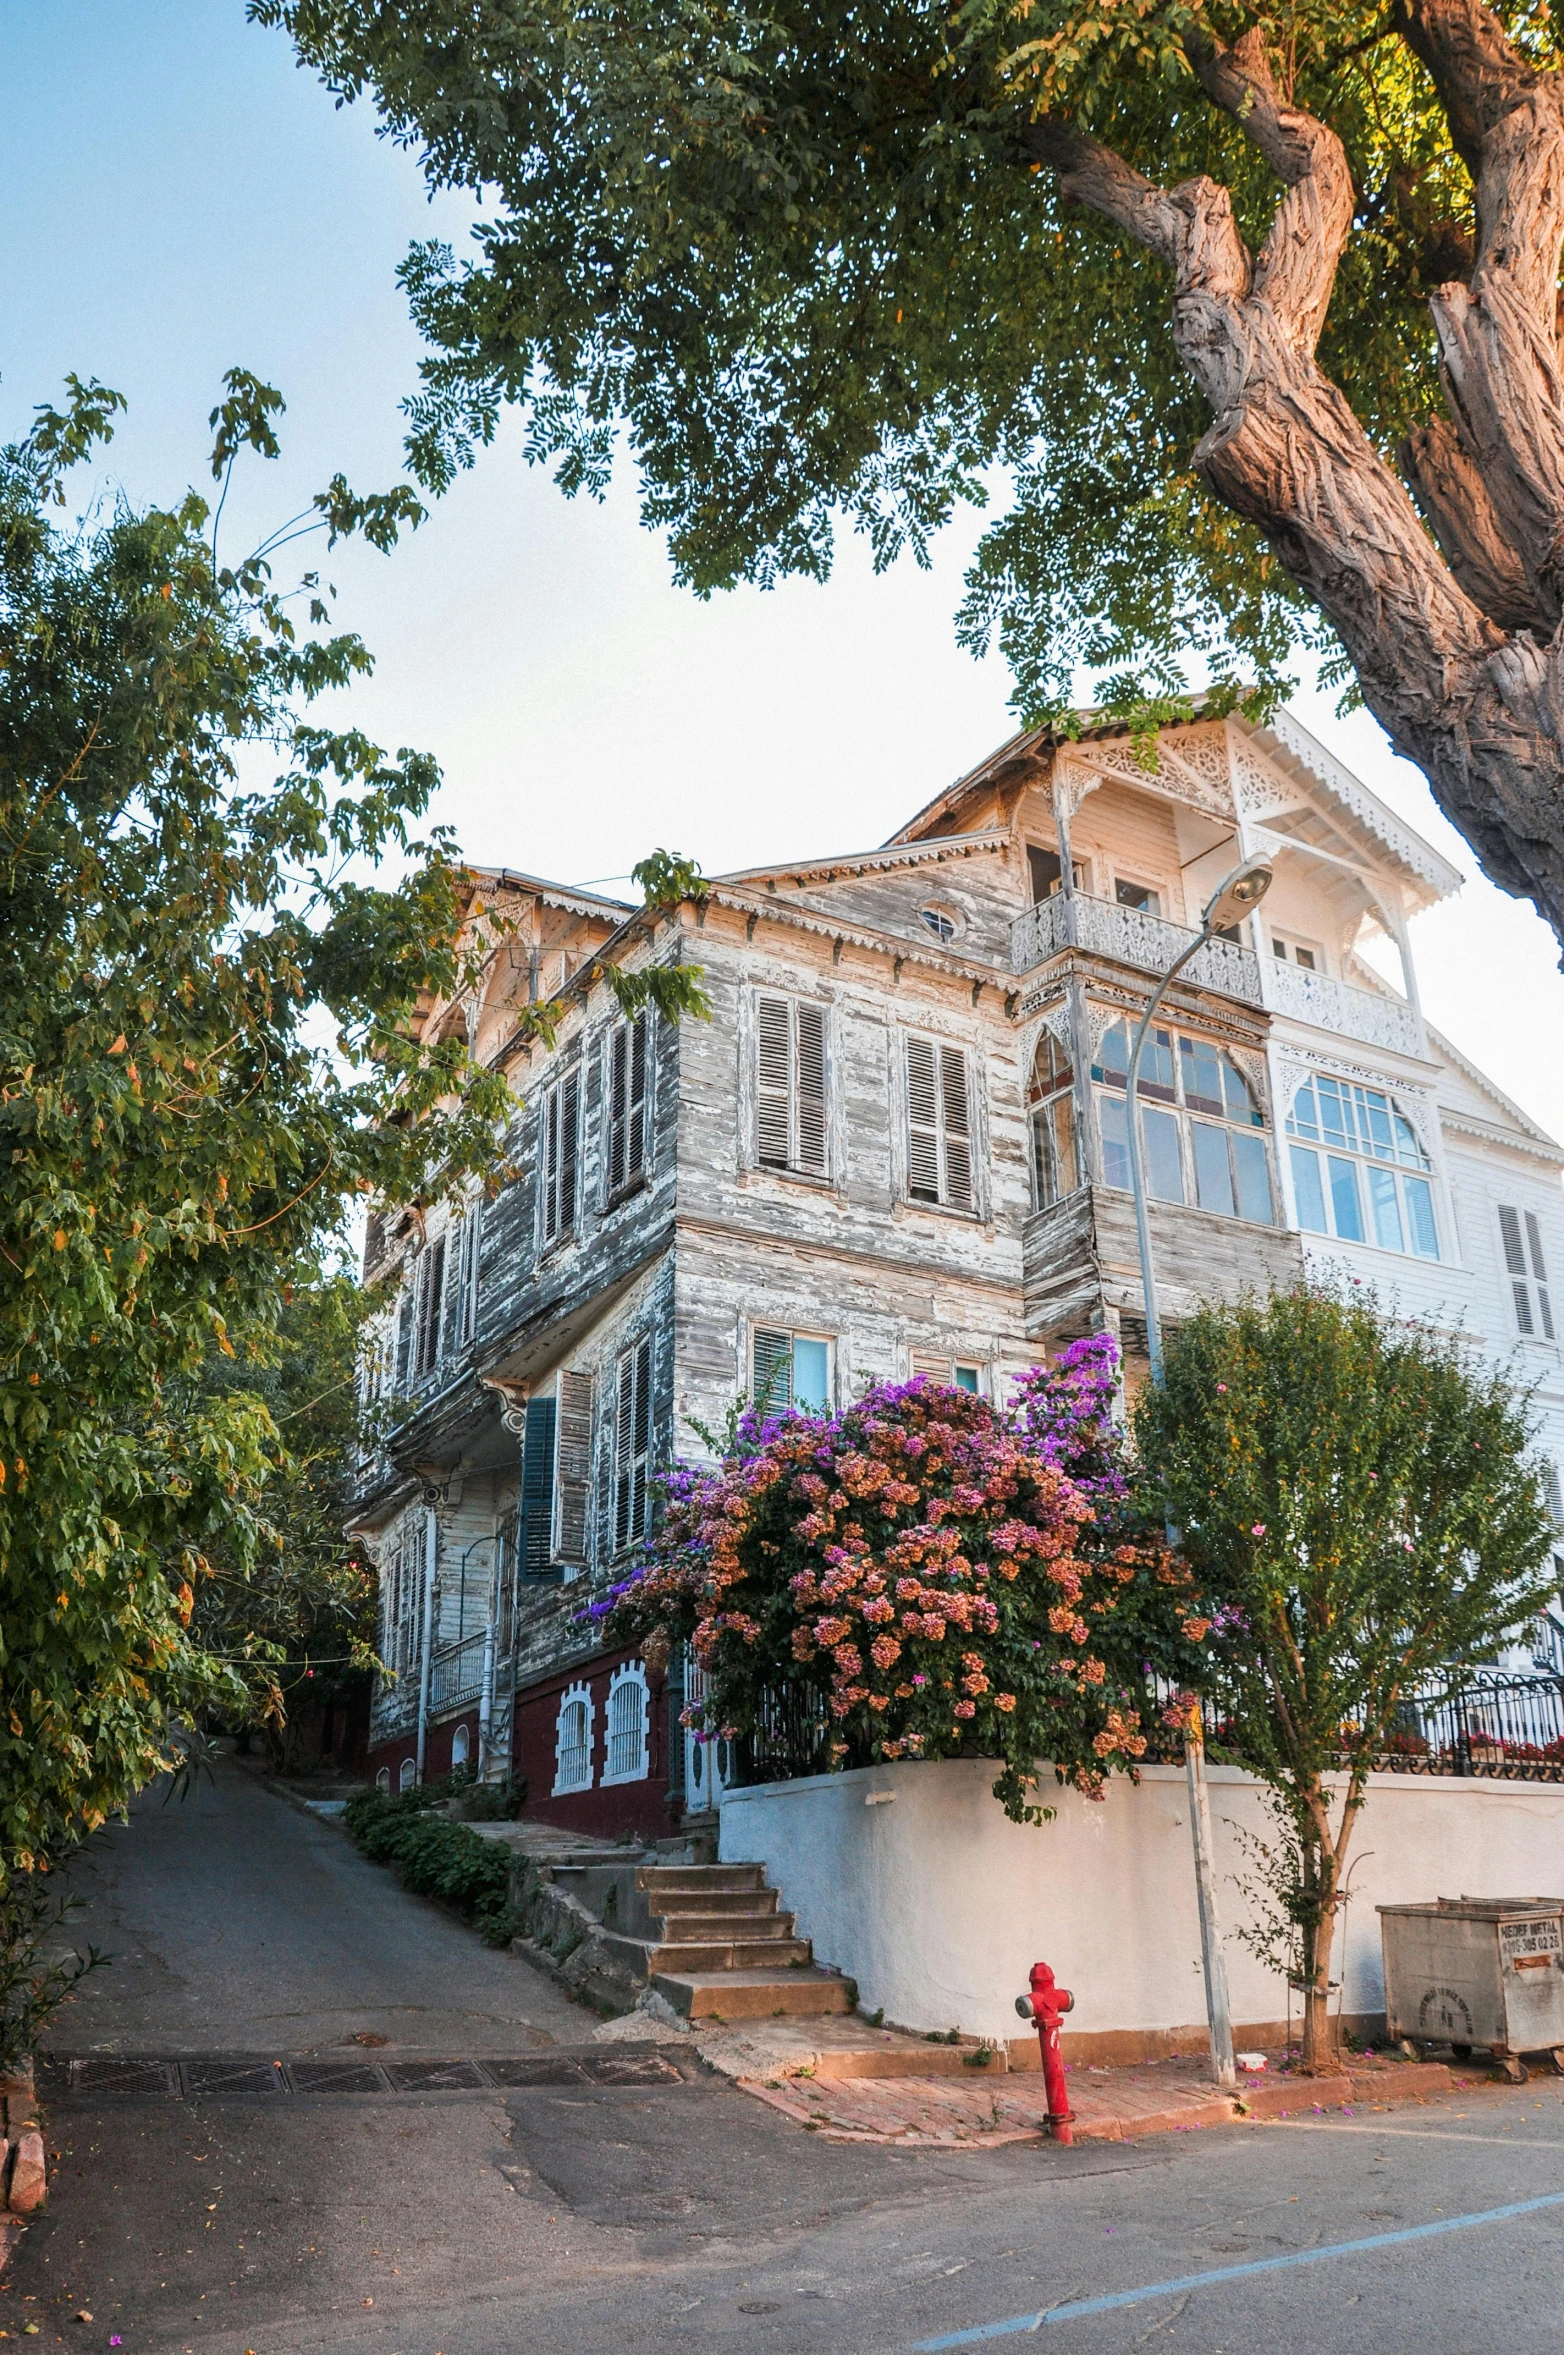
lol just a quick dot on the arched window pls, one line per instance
(1204, 1147)
(383, 1781)
(1357, 1168)
(573, 1741)
(627, 1762)
(461, 1747)
(408, 1774)
(1051, 1096)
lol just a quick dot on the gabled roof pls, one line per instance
(553, 895)
(1531, 1137)
(1286, 744)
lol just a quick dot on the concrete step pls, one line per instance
(718, 1954)
(665, 1880)
(753, 1994)
(726, 1929)
(674, 1904)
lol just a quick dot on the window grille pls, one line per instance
(939, 1127)
(632, 1444)
(790, 1109)
(559, 1127)
(1527, 1272)
(626, 1727)
(573, 1741)
(1357, 1168)
(627, 1104)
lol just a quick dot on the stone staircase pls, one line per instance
(713, 1940)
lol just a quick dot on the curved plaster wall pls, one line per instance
(911, 1879)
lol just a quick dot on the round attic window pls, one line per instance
(940, 922)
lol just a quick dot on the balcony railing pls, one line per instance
(1151, 943)
(456, 1673)
(1336, 1005)
(1133, 938)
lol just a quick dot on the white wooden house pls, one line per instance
(898, 1145)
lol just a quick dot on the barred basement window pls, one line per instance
(559, 1128)
(627, 1092)
(939, 1125)
(626, 1726)
(1528, 1282)
(573, 1741)
(790, 1113)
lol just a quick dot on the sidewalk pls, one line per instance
(1111, 2105)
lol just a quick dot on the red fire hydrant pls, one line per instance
(1046, 2005)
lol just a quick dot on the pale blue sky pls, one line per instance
(177, 197)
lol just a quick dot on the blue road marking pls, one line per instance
(1198, 2281)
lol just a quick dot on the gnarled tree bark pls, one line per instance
(1457, 646)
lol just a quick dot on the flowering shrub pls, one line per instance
(936, 1576)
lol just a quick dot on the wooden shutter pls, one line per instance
(773, 1370)
(635, 1147)
(548, 1164)
(1540, 1272)
(535, 1536)
(1528, 1284)
(569, 1139)
(641, 1470)
(955, 1119)
(774, 1082)
(573, 1465)
(632, 1442)
(811, 1088)
(431, 1305)
(627, 1071)
(404, 1338)
(922, 1122)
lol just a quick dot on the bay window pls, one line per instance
(1358, 1169)
(1202, 1133)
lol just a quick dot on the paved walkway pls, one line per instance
(238, 1923)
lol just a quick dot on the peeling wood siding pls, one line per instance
(1083, 1262)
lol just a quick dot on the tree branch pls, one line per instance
(1455, 503)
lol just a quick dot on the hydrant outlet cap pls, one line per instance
(1024, 2007)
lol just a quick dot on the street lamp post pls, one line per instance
(1242, 890)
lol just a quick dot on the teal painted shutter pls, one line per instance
(537, 1489)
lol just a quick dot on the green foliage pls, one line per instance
(435, 1857)
(35, 1975)
(801, 258)
(189, 913)
(1355, 1498)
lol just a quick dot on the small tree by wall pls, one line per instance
(1355, 1500)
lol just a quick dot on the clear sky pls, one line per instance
(177, 197)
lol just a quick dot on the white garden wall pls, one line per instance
(910, 1879)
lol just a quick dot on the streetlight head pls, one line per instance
(1242, 890)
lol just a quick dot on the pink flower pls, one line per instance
(966, 1709)
(1221, 1389)
(1258, 1530)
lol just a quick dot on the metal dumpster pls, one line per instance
(1477, 1972)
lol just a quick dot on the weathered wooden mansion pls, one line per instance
(899, 1145)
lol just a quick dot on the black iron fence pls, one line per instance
(1509, 1726)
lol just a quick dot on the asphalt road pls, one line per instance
(587, 2219)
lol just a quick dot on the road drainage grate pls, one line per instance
(226, 2074)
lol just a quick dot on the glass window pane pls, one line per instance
(1156, 1066)
(1115, 1147)
(1347, 1210)
(1374, 1119)
(1309, 1189)
(1303, 1119)
(1252, 1169)
(1043, 1160)
(1213, 1178)
(1202, 1065)
(1061, 1112)
(967, 1378)
(1407, 1147)
(1113, 1057)
(1238, 1096)
(811, 1376)
(1420, 1217)
(1305, 958)
(1335, 1113)
(1386, 1209)
(1164, 1174)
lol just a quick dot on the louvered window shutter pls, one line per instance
(922, 1122)
(574, 1464)
(431, 1304)
(635, 1145)
(548, 1164)
(624, 1449)
(570, 1131)
(811, 1088)
(774, 1081)
(956, 1123)
(1528, 1283)
(640, 1493)
(773, 1370)
(618, 1106)
(1540, 1272)
(404, 1338)
(535, 1535)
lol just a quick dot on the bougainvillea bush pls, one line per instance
(934, 1576)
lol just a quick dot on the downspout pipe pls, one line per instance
(426, 1646)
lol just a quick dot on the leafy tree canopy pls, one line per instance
(808, 255)
(206, 1002)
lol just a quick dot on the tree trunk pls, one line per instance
(1461, 661)
(1321, 1881)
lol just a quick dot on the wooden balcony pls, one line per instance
(1081, 1266)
